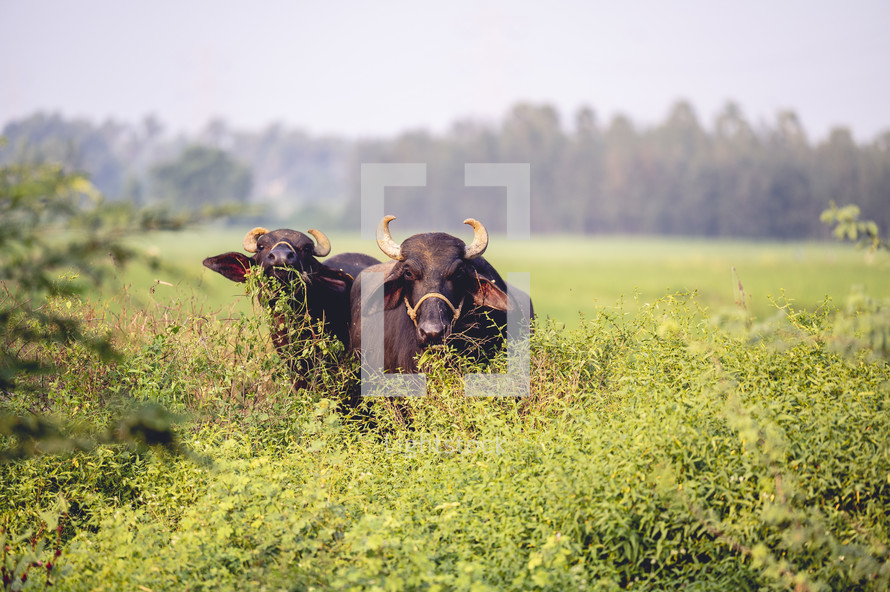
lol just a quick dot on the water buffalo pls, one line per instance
(300, 284)
(437, 290)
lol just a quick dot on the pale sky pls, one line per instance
(378, 68)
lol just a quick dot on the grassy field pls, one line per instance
(151, 438)
(654, 451)
(572, 276)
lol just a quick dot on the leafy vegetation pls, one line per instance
(865, 321)
(56, 234)
(662, 448)
(659, 450)
(848, 226)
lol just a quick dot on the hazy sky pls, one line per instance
(377, 68)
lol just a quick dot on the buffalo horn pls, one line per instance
(323, 245)
(480, 239)
(250, 238)
(384, 240)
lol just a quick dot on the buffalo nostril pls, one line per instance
(281, 257)
(430, 332)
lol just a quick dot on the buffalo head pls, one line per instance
(283, 254)
(438, 280)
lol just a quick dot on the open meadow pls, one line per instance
(573, 276)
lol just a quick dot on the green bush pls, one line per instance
(660, 449)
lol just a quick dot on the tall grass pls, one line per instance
(662, 447)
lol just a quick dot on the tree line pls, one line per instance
(731, 178)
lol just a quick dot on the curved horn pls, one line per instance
(249, 242)
(391, 248)
(480, 239)
(323, 246)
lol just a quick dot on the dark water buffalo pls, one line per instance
(436, 290)
(304, 285)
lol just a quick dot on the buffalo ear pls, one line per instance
(392, 295)
(392, 291)
(393, 288)
(335, 280)
(486, 293)
(233, 266)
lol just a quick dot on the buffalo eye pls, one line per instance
(408, 274)
(459, 274)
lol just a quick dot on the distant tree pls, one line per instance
(580, 177)
(625, 205)
(676, 176)
(151, 128)
(682, 161)
(201, 176)
(738, 162)
(78, 145)
(532, 133)
(132, 191)
(788, 208)
(289, 167)
(838, 170)
(875, 171)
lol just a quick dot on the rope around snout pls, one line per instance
(285, 243)
(412, 312)
(303, 275)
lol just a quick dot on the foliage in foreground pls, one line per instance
(659, 450)
(57, 237)
(847, 225)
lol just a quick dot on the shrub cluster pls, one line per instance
(660, 449)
